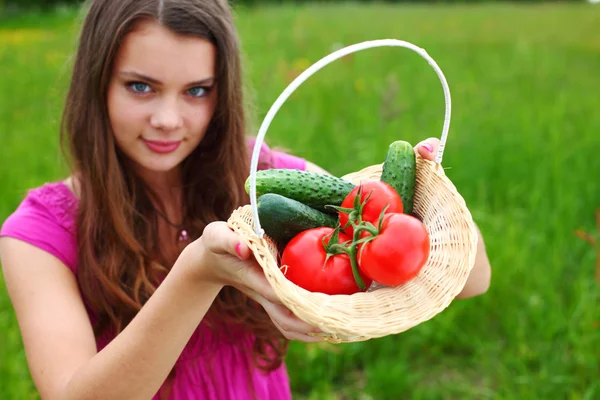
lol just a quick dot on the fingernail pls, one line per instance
(238, 249)
(428, 147)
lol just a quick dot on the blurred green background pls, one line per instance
(522, 150)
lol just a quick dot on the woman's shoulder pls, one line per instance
(52, 199)
(45, 218)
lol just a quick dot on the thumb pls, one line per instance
(219, 238)
(428, 148)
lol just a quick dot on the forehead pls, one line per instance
(153, 50)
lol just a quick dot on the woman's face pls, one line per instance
(161, 97)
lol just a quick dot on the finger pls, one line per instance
(296, 335)
(253, 282)
(282, 316)
(287, 320)
(221, 239)
(428, 148)
(292, 327)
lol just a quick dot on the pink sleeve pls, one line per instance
(36, 222)
(284, 160)
(270, 158)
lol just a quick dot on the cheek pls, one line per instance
(200, 118)
(126, 116)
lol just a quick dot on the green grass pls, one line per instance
(522, 151)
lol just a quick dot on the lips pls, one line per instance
(162, 146)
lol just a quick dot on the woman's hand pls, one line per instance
(230, 262)
(428, 148)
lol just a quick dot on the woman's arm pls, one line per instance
(479, 279)
(58, 337)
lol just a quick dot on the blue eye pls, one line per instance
(139, 87)
(198, 91)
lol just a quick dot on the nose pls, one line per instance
(167, 116)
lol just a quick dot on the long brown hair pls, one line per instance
(117, 237)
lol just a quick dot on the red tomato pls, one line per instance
(398, 253)
(381, 194)
(305, 258)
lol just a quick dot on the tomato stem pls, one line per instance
(355, 220)
(358, 228)
(354, 264)
(365, 226)
(333, 248)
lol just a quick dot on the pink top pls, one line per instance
(212, 366)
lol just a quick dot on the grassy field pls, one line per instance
(522, 150)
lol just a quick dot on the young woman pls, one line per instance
(126, 281)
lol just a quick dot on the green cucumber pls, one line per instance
(400, 171)
(313, 189)
(283, 218)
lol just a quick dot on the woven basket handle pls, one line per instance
(314, 68)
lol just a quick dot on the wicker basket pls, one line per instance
(381, 310)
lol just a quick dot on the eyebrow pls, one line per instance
(136, 75)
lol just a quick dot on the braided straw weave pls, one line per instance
(381, 310)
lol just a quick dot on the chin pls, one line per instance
(161, 166)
